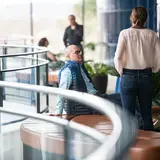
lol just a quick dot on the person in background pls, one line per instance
(74, 76)
(136, 57)
(73, 33)
(53, 63)
(44, 43)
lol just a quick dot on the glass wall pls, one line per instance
(158, 17)
(14, 18)
(50, 18)
(114, 16)
(103, 20)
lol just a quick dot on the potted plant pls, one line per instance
(99, 74)
(156, 93)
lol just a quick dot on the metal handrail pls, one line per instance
(34, 55)
(116, 140)
(40, 50)
(43, 62)
(88, 131)
(17, 38)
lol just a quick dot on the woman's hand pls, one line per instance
(54, 114)
(51, 56)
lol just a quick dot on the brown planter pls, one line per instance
(100, 83)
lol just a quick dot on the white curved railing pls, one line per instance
(113, 146)
(29, 59)
(38, 49)
(17, 39)
(41, 62)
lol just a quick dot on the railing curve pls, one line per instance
(24, 64)
(112, 147)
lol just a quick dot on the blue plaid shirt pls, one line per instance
(65, 83)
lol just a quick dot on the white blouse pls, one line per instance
(137, 49)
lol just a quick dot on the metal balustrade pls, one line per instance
(24, 64)
(112, 147)
(17, 40)
(27, 65)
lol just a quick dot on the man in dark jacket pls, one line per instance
(73, 33)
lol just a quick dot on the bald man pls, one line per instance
(74, 76)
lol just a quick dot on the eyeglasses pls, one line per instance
(77, 52)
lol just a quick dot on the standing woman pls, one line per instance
(136, 57)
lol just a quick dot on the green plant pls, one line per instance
(91, 46)
(156, 81)
(97, 69)
(113, 72)
(156, 93)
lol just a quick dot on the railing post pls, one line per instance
(38, 94)
(38, 83)
(1, 141)
(67, 151)
(1, 88)
(25, 43)
(47, 96)
(4, 66)
(0, 122)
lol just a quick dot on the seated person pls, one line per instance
(74, 76)
(53, 63)
(44, 43)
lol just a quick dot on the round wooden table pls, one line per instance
(41, 139)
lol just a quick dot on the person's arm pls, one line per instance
(88, 81)
(119, 53)
(65, 37)
(156, 60)
(65, 83)
(80, 32)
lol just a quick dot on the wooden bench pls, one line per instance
(33, 132)
(53, 78)
(47, 140)
(147, 146)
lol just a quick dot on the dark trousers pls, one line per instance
(115, 98)
(137, 85)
